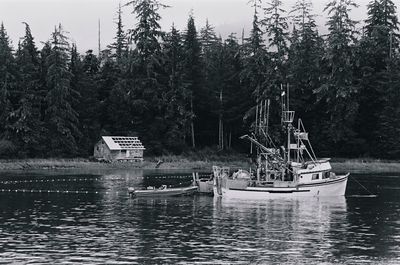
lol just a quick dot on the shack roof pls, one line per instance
(123, 143)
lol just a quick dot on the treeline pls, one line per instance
(181, 90)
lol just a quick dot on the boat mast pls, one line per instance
(287, 119)
(288, 126)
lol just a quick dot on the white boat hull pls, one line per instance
(326, 188)
(165, 192)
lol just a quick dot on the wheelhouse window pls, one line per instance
(315, 176)
(326, 175)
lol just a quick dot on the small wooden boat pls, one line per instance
(162, 191)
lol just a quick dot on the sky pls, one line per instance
(80, 17)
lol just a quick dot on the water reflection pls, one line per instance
(287, 230)
(108, 227)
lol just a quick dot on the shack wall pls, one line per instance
(119, 155)
(101, 150)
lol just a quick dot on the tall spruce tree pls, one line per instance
(145, 94)
(378, 116)
(193, 72)
(210, 111)
(109, 74)
(339, 90)
(177, 112)
(276, 25)
(7, 85)
(62, 120)
(304, 63)
(208, 39)
(236, 98)
(120, 46)
(255, 63)
(26, 123)
(84, 81)
(276, 28)
(147, 31)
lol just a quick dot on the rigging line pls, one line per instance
(308, 141)
(362, 186)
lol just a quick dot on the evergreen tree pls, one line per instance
(387, 142)
(120, 46)
(193, 72)
(177, 113)
(148, 31)
(210, 113)
(26, 122)
(236, 98)
(109, 74)
(62, 119)
(304, 64)
(378, 62)
(276, 28)
(145, 90)
(7, 85)
(339, 90)
(208, 39)
(255, 64)
(84, 81)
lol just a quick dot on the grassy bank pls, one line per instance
(366, 166)
(195, 162)
(187, 162)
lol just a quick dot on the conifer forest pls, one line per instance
(189, 89)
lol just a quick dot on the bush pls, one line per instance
(7, 148)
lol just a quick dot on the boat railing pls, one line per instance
(288, 116)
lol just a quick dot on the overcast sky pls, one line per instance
(80, 17)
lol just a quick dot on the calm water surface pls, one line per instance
(70, 218)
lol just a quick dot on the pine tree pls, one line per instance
(7, 85)
(176, 110)
(236, 98)
(109, 74)
(210, 111)
(339, 90)
(276, 28)
(26, 122)
(387, 144)
(84, 82)
(304, 64)
(120, 46)
(378, 116)
(148, 31)
(256, 61)
(193, 71)
(208, 39)
(62, 119)
(145, 89)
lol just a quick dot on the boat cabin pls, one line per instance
(314, 172)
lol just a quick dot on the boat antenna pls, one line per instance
(267, 117)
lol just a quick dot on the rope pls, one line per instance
(362, 186)
(56, 191)
(92, 179)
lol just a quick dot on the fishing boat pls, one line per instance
(289, 171)
(162, 191)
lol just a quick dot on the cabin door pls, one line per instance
(127, 153)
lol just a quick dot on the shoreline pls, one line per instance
(175, 163)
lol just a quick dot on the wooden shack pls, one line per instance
(119, 148)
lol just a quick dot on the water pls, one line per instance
(65, 218)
